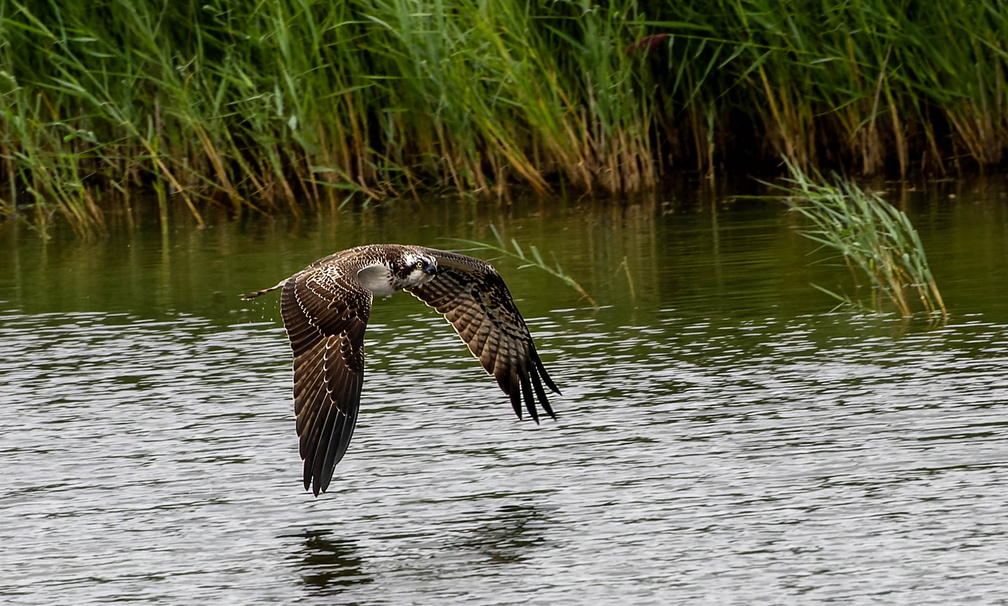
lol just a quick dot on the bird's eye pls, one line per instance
(420, 264)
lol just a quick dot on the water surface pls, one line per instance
(722, 436)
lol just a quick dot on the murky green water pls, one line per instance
(722, 438)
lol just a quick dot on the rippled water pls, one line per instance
(722, 438)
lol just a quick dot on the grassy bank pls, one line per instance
(288, 105)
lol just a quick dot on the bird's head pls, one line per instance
(416, 269)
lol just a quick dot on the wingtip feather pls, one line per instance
(526, 392)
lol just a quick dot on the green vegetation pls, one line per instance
(874, 238)
(292, 105)
(532, 259)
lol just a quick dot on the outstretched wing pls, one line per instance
(472, 296)
(326, 316)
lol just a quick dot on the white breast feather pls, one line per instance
(377, 278)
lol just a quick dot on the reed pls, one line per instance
(533, 258)
(874, 238)
(295, 105)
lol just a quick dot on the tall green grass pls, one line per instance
(292, 105)
(875, 239)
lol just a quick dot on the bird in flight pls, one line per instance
(325, 308)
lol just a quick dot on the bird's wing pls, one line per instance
(473, 297)
(326, 316)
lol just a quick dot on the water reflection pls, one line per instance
(327, 564)
(682, 247)
(509, 536)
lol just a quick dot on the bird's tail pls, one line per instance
(256, 293)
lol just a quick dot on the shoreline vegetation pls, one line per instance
(874, 239)
(296, 105)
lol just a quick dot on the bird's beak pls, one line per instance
(431, 269)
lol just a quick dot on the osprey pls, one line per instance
(325, 308)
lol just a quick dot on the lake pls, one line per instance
(724, 435)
